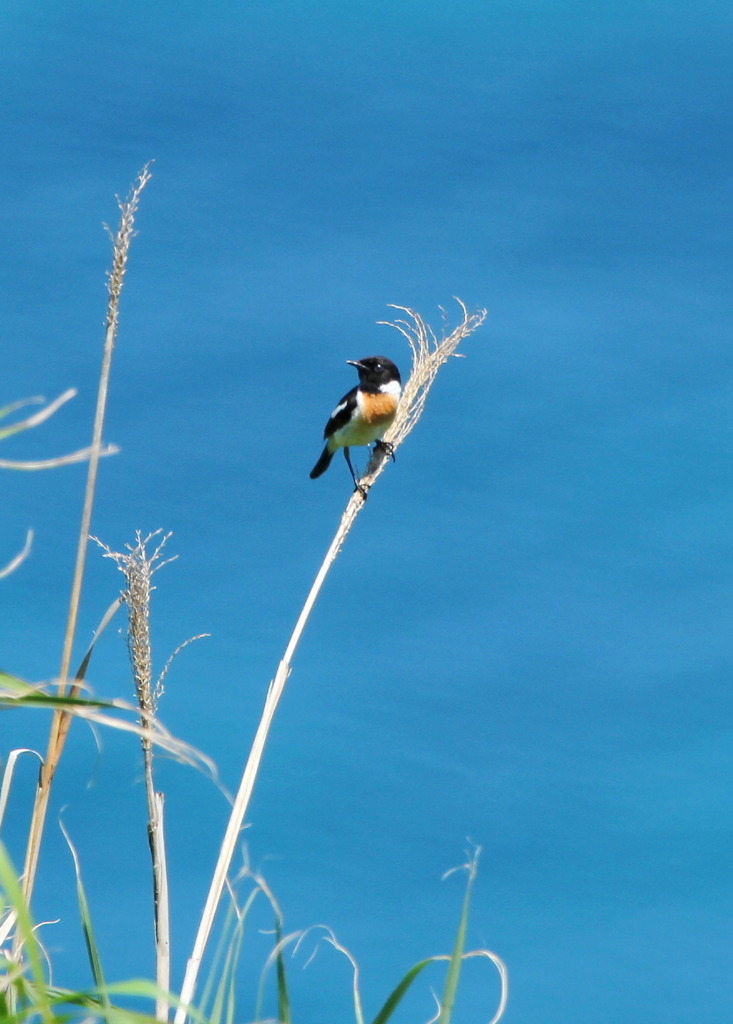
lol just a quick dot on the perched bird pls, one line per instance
(363, 415)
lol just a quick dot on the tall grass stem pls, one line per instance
(428, 355)
(61, 719)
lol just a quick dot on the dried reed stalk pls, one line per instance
(428, 355)
(62, 720)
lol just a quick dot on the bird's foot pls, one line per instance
(387, 447)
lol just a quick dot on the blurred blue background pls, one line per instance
(527, 638)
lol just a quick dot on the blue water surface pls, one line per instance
(526, 641)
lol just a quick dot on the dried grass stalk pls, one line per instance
(428, 355)
(62, 720)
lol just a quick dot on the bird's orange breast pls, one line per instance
(378, 410)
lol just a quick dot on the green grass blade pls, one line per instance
(12, 684)
(456, 960)
(283, 996)
(400, 990)
(95, 959)
(213, 995)
(31, 947)
(106, 619)
(224, 1005)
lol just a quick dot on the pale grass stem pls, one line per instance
(81, 455)
(17, 560)
(34, 421)
(63, 460)
(62, 720)
(38, 417)
(428, 355)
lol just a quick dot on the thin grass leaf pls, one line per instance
(13, 684)
(456, 960)
(399, 992)
(358, 1006)
(94, 1009)
(277, 955)
(39, 417)
(218, 961)
(7, 782)
(15, 692)
(330, 938)
(48, 700)
(81, 455)
(136, 988)
(283, 996)
(7, 410)
(19, 558)
(396, 997)
(231, 1005)
(95, 960)
(28, 945)
(225, 999)
(501, 967)
(209, 984)
(106, 619)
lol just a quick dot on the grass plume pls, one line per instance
(138, 565)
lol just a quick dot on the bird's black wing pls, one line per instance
(341, 414)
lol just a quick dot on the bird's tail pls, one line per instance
(323, 463)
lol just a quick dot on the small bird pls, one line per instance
(362, 415)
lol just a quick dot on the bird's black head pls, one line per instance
(376, 370)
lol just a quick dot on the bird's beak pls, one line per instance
(356, 363)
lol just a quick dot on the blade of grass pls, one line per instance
(61, 460)
(456, 960)
(400, 990)
(27, 944)
(224, 1007)
(19, 558)
(100, 1002)
(220, 988)
(6, 410)
(37, 418)
(283, 996)
(106, 619)
(7, 782)
(16, 692)
(284, 1013)
(95, 959)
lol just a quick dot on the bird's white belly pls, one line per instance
(359, 432)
